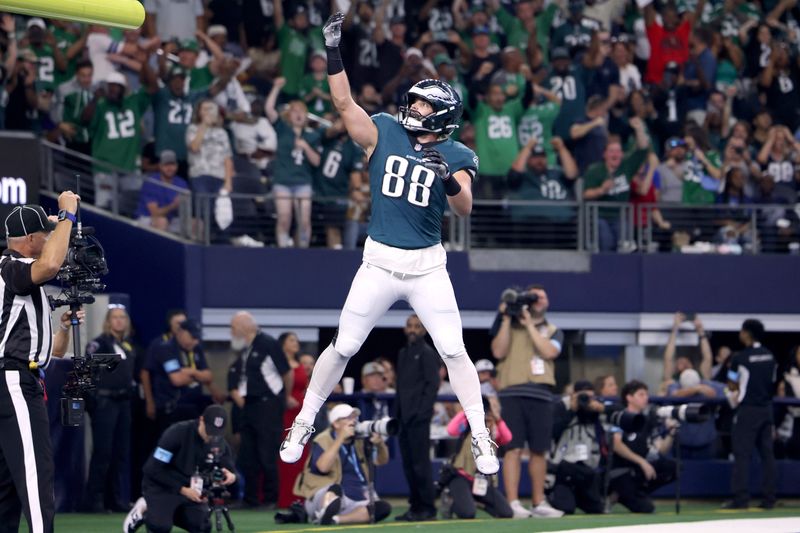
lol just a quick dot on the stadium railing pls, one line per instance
(493, 224)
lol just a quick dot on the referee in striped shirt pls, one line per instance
(36, 250)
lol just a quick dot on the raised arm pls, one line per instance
(567, 161)
(272, 98)
(359, 126)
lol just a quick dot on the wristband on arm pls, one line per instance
(451, 186)
(335, 65)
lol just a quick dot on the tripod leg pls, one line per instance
(228, 519)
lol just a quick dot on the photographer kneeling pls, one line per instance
(642, 453)
(576, 454)
(334, 478)
(172, 490)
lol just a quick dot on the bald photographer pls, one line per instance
(37, 247)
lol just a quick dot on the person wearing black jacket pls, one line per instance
(110, 409)
(263, 379)
(170, 487)
(417, 386)
(751, 381)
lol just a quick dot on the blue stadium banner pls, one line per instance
(20, 170)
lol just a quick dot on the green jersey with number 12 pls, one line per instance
(115, 132)
(408, 200)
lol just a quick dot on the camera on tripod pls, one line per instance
(214, 489)
(515, 299)
(80, 275)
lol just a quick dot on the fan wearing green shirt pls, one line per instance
(173, 107)
(532, 178)
(71, 40)
(339, 172)
(296, 39)
(609, 180)
(296, 158)
(114, 127)
(43, 44)
(495, 120)
(527, 24)
(314, 90)
(538, 119)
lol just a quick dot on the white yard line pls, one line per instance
(743, 525)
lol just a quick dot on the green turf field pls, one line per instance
(254, 521)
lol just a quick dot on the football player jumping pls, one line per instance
(415, 170)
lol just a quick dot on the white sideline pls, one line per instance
(743, 525)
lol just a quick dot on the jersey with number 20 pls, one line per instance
(408, 201)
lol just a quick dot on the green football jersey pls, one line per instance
(295, 49)
(496, 136)
(340, 157)
(537, 121)
(551, 185)
(172, 115)
(116, 133)
(597, 173)
(291, 164)
(317, 105)
(200, 79)
(65, 39)
(46, 73)
(408, 200)
(571, 88)
(517, 35)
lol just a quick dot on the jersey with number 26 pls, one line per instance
(408, 200)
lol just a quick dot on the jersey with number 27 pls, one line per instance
(408, 200)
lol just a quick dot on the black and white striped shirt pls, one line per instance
(26, 333)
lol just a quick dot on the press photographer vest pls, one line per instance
(523, 364)
(307, 483)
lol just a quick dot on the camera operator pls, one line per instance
(110, 409)
(751, 380)
(334, 479)
(642, 453)
(578, 439)
(526, 346)
(37, 247)
(178, 471)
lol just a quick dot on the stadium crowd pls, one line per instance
(687, 103)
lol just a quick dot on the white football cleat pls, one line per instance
(135, 517)
(292, 446)
(545, 510)
(484, 450)
(519, 510)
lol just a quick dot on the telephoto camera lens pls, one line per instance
(688, 412)
(385, 427)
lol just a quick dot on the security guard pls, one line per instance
(264, 379)
(36, 250)
(172, 490)
(417, 386)
(178, 370)
(751, 381)
(110, 411)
